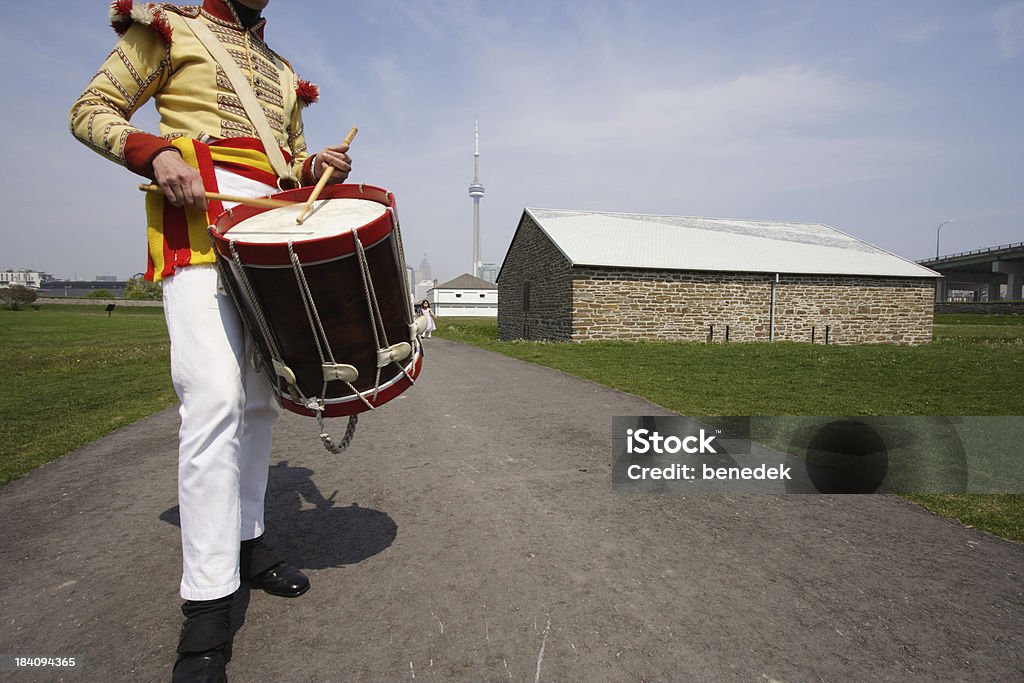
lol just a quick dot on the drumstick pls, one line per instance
(251, 201)
(322, 182)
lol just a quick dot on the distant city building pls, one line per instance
(26, 278)
(424, 272)
(489, 272)
(423, 288)
(465, 296)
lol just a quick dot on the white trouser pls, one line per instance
(227, 416)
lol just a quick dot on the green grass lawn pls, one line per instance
(975, 366)
(72, 374)
(967, 370)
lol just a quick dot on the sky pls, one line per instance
(881, 119)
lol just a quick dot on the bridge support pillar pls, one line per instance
(1014, 278)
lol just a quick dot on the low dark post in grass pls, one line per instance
(726, 333)
(711, 333)
(812, 334)
(827, 329)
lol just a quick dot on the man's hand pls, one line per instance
(336, 157)
(181, 184)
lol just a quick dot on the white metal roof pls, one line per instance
(628, 240)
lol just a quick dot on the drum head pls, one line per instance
(266, 237)
(328, 218)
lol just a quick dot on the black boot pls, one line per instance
(203, 650)
(261, 569)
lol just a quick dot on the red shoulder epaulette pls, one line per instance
(124, 13)
(308, 93)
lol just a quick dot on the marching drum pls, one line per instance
(326, 302)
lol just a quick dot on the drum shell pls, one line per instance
(335, 283)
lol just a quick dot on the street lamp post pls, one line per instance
(937, 233)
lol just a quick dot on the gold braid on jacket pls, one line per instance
(159, 58)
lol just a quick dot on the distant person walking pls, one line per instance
(429, 315)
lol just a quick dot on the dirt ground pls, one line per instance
(471, 534)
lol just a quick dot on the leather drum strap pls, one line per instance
(248, 98)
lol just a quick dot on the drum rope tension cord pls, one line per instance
(279, 367)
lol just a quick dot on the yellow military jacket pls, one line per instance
(159, 58)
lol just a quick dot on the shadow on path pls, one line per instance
(320, 537)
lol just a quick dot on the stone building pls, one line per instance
(584, 275)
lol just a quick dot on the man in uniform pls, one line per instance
(209, 142)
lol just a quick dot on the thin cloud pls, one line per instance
(1008, 24)
(918, 34)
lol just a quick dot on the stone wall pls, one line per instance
(534, 288)
(646, 304)
(707, 306)
(857, 310)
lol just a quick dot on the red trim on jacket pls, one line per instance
(139, 151)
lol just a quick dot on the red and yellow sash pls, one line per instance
(179, 237)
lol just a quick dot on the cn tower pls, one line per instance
(476, 191)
